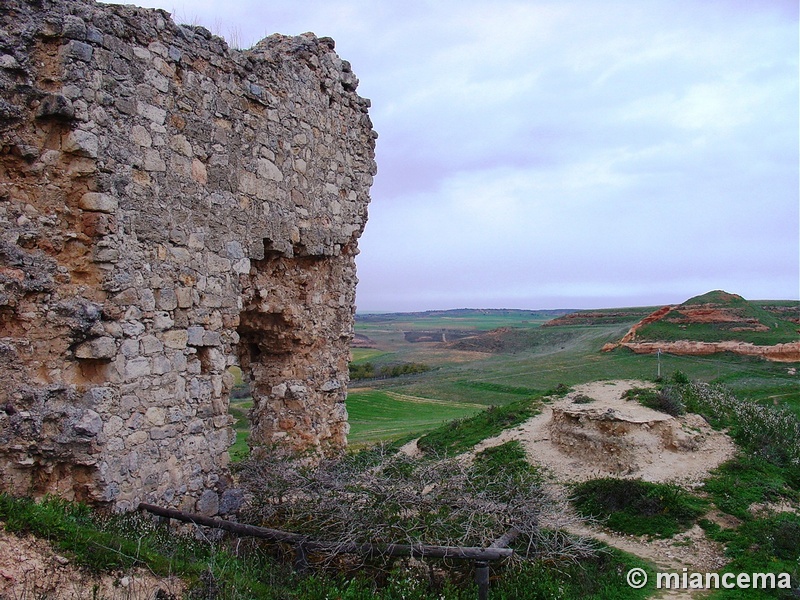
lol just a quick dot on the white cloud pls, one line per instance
(533, 151)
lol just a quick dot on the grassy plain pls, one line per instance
(568, 355)
(377, 415)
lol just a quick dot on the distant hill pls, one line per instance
(720, 316)
(719, 321)
(456, 316)
(604, 316)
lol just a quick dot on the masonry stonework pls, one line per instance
(170, 207)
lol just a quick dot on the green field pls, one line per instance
(539, 359)
(381, 415)
(456, 319)
(534, 359)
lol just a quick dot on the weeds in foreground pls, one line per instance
(235, 569)
(106, 543)
(638, 507)
(747, 480)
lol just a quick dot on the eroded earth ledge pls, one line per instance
(170, 207)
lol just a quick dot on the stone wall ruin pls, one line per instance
(170, 207)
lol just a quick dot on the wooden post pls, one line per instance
(482, 579)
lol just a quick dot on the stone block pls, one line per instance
(137, 367)
(163, 433)
(184, 297)
(153, 161)
(175, 338)
(231, 501)
(141, 137)
(74, 27)
(155, 415)
(330, 386)
(167, 300)
(151, 345)
(161, 365)
(102, 348)
(89, 424)
(211, 338)
(195, 336)
(152, 113)
(129, 348)
(79, 50)
(80, 142)
(208, 504)
(217, 264)
(56, 106)
(162, 321)
(241, 266)
(137, 438)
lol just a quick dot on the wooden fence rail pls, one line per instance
(303, 544)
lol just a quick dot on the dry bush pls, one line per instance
(378, 496)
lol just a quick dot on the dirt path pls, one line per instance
(691, 550)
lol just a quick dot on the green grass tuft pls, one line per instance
(462, 434)
(638, 507)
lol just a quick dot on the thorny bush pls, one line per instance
(770, 432)
(380, 496)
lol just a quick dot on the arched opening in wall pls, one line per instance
(241, 401)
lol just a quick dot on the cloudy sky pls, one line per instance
(564, 153)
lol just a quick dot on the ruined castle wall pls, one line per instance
(169, 207)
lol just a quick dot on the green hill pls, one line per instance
(720, 316)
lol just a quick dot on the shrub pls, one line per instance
(367, 370)
(582, 399)
(389, 498)
(666, 400)
(679, 377)
(770, 432)
(747, 479)
(638, 507)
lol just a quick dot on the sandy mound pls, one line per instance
(30, 568)
(614, 437)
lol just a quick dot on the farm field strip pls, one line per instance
(377, 415)
(431, 401)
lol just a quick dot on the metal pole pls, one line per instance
(658, 356)
(482, 579)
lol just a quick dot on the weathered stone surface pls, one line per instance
(93, 201)
(170, 207)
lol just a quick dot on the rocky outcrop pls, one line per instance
(170, 207)
(651, 318)
(731, 314)
(789, 352)
(617, 440)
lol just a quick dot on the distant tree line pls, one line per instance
(369, 371)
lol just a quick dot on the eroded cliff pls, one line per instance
(170, 207)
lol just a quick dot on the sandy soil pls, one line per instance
(656, 457)
(651, 462)
(30, 568)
